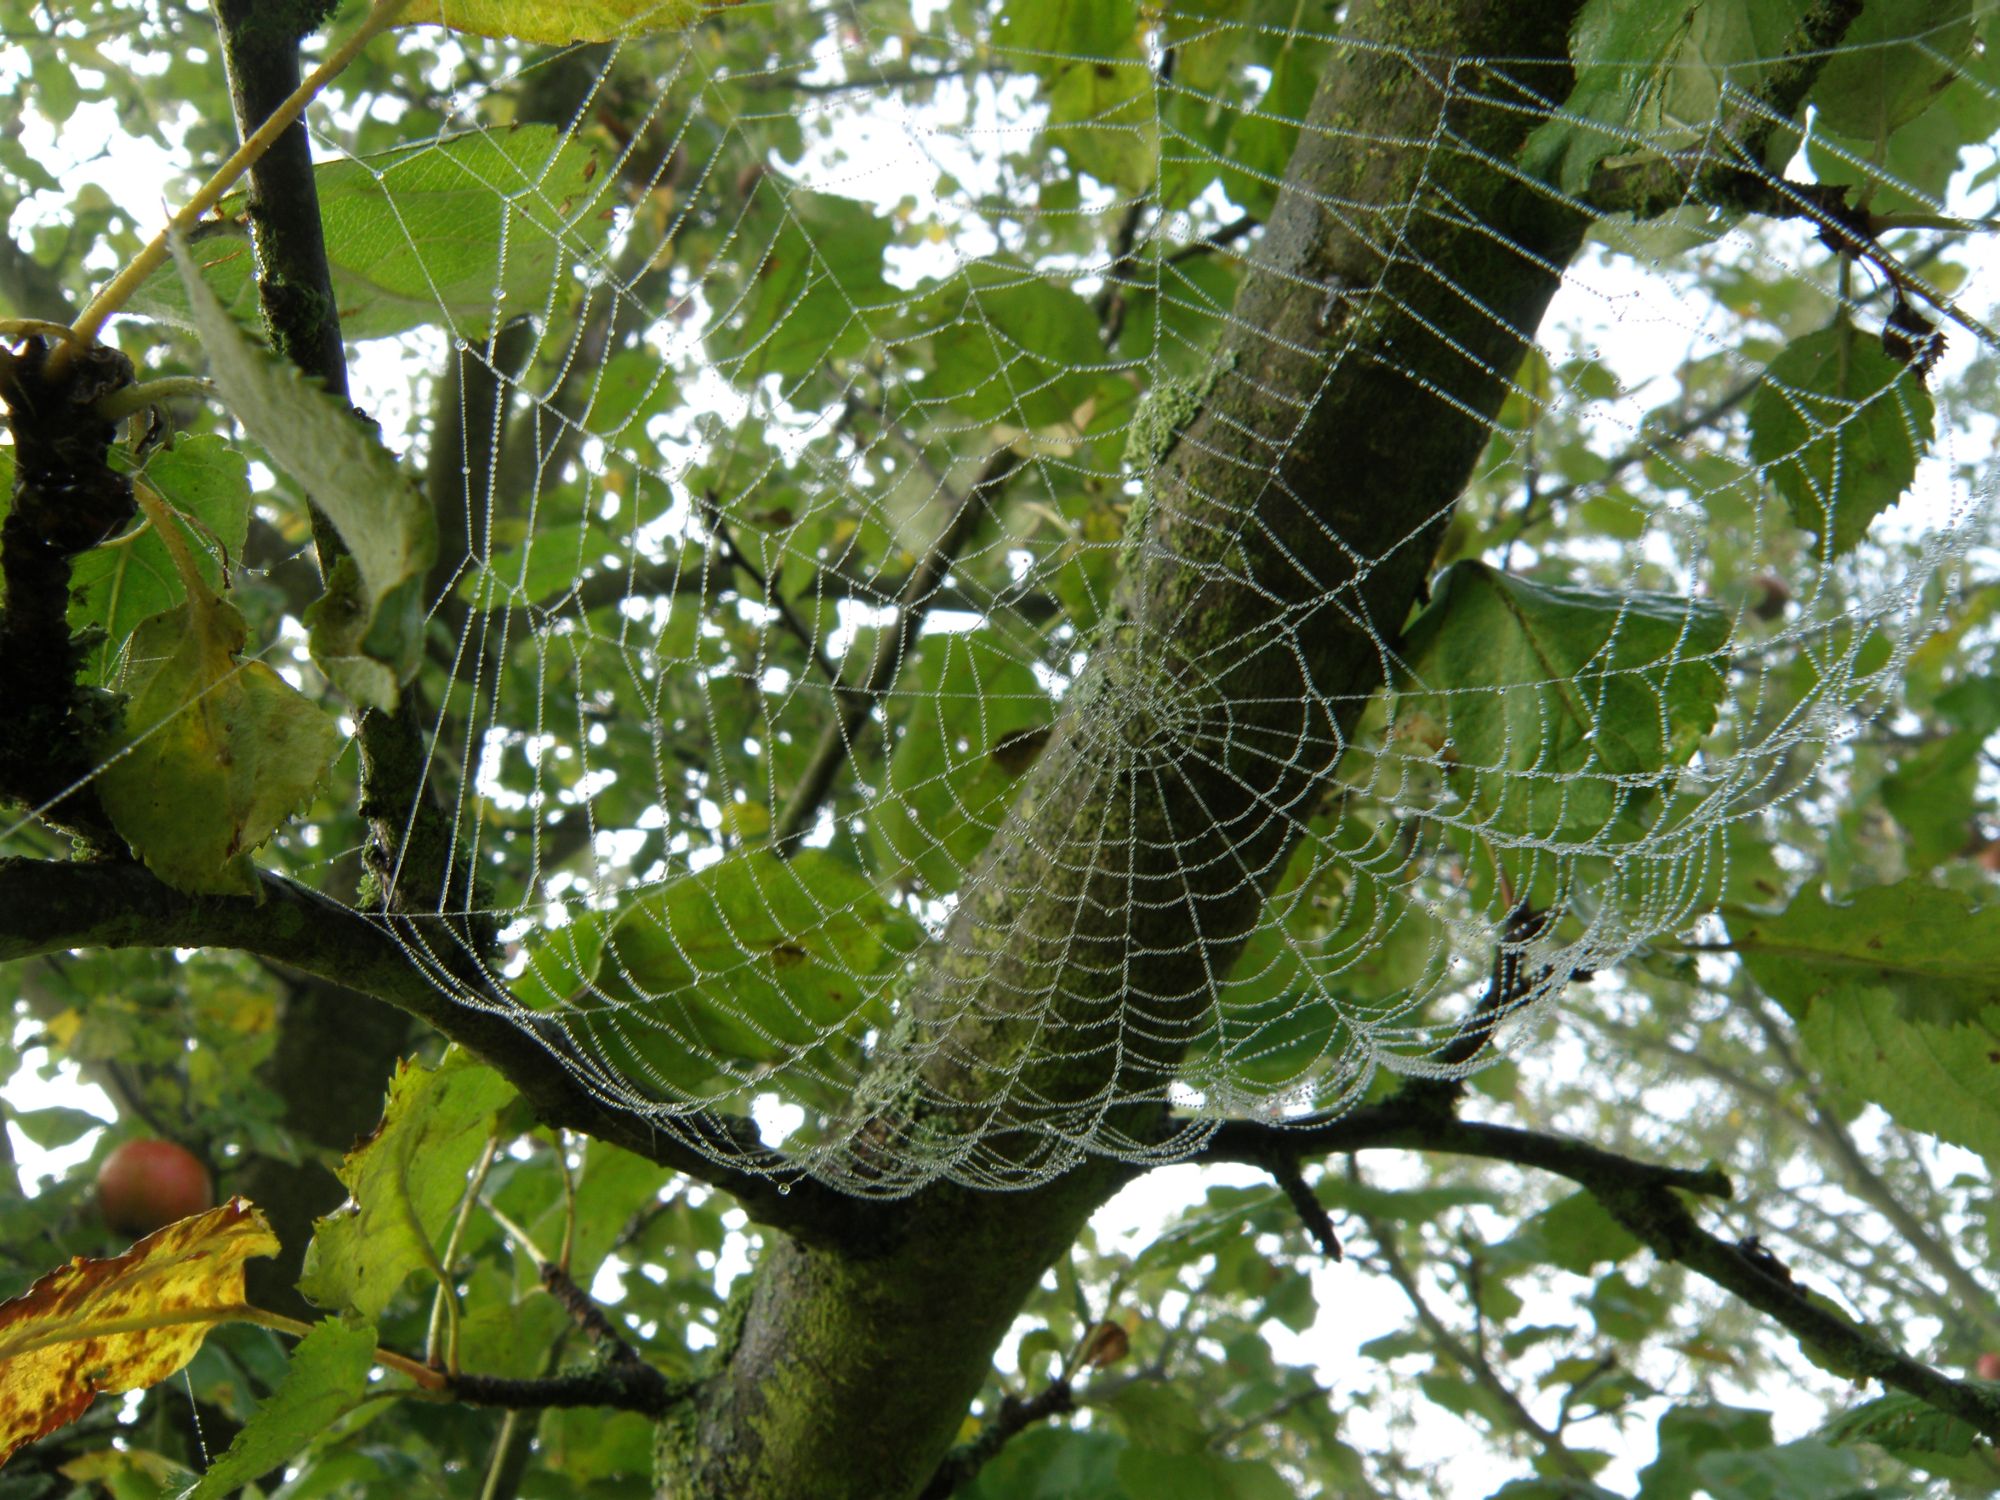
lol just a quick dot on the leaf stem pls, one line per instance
(161, 516)
(90, 322)
(444, 1307)
(133, 398)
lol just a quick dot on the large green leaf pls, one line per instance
(1897, 995)
(1652, 78)
(1557, 710)
(1010, 346)
(1806, 1470)
(1903, 1422)
(1052, 1463)
(1839, 427)
(1893, 62)
(753, 964)
(1940, 1078)
(404, 1184)
(1103, 115)
(367, 630)
(456, 231)
(1048, 36)
(1686, 1433)
(1575, 1234)
(1197, 1476)
(975, 718)
(1937, 951)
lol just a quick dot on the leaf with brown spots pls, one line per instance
(122, 1323)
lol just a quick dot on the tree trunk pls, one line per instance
(1289, 532)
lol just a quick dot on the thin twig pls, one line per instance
(962, 1463)
(1475, 1364)
(837, 740)
(121, 287)
(769, 596)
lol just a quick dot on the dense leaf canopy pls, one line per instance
(710, 632)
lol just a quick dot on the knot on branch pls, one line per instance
(67, 498)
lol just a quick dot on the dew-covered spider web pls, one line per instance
(795, 392)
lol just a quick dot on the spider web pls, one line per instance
(827, 391)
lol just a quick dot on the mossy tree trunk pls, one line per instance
(1389, 274)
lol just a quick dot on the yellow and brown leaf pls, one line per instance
(124, 1322)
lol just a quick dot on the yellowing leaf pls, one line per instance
(405, 1182)
(571, 21)
(218, 752)
(123, 1323)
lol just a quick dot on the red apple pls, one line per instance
(145, 1185)
(1987, 1366)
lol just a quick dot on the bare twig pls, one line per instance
(961, 1464)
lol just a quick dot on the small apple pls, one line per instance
(146, 1185)
(1987, 1366)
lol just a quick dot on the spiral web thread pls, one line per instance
(610, 632)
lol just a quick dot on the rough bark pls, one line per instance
(1293, 523)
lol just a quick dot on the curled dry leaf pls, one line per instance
(1106, 1344)
(122, 1323)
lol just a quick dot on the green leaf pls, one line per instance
(1686, 1433)
(1010, 346)
(1892, 63)
(1159, 1417)
(1651, 78)
(975, 721)
(1102, 114)
(755, 963)
(1197, 1476)
(214, 753)
(630, 387)
(1557, 710)
(557, 22)
(813, 270)
(1048, 36)
(1575, 1234)
(1805, 1470)
(326, 1377)
(1937, 951)
(1902, 1422)
(367, 630)
(1839, 427)
(1627, 1310)
(1052, 1463)
(404, 1182)
(132, 577)
(1940, 1079)
(54, 1126)
(453, 231)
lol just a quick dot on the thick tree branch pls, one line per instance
(1289, 530)
(48, 906)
